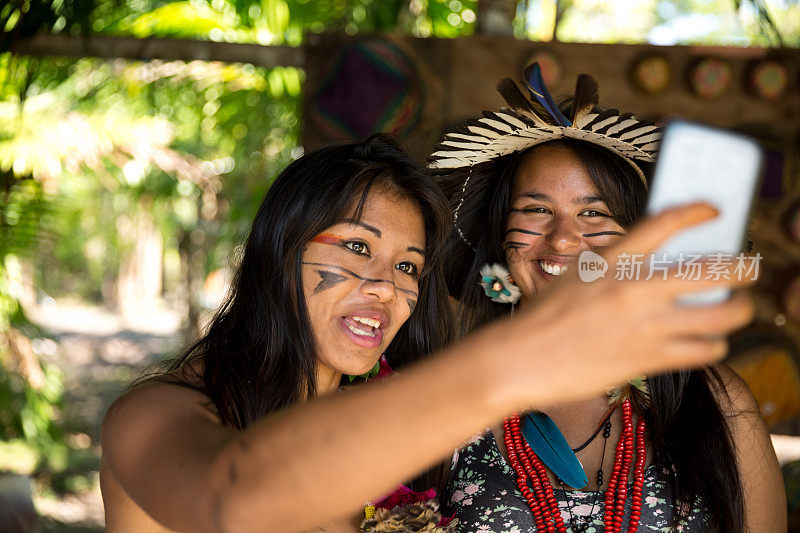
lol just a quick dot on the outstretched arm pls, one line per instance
(323, 459)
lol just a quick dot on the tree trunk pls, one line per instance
(192, 274)
(141, 273)
(496, 17)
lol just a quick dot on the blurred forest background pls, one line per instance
(127, 185)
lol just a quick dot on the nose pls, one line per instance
(562, 235)
(378, 281)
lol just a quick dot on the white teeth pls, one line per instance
(555, 270)
(368, 321)
(358, 331)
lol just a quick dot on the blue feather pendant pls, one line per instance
(548, 442)
(533, 80)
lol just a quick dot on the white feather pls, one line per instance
(497, 124)
(475, 138)
(514, 121)
(647, 138)
(616, 128)
(585, 120)
(467, 145)
(447, 162)
(604, 123)
(489, 134)
(644, 130)
(651, 147)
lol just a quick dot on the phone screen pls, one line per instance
(701, 163)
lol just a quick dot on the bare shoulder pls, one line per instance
(733, 394)
(155, 403)
(159, 443)
(759, 471)
(154, 416)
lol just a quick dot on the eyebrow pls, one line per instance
(583, 200)
(378, 233)
(356, 222)
(588, 200)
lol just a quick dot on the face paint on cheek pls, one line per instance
(599, 233)
(350, 273)
(523, 231)
(328, 280)
(412, 304)
(515, 246)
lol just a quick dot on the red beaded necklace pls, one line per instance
(535, 486)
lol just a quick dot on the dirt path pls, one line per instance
(100, 353)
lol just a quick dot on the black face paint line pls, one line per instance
(362, 278)
(412, 304)
(599, 233)
(515, 245)
(520, 230)
(328, 280)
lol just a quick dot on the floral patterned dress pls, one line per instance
(483, 494)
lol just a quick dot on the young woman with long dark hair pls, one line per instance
(534, 194)
(344, 263)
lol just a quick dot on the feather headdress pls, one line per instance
(522, 124)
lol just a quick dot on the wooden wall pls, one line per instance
(459, 78)
(462, 73)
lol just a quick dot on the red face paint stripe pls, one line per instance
(327, 238)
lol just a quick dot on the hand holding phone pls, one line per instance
(702, 163)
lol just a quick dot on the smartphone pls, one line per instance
(695, 163)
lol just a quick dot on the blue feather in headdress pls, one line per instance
(535, 84)
(547, 441)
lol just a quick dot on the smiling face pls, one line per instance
(361, 283)
(556, 213)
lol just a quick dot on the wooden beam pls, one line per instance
(106, 46)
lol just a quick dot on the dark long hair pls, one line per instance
(258, 354)
(686, 424)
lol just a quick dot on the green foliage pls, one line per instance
(21, 214)
(25, 18)
(83, 145)
(722, 22)
(714, 22)
(99, 132)
(178, 19)
(286, 21)
(28, 410)
(29, 415)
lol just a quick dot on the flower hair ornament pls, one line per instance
(380, 369)
(635, 390)
(528, 121)
(498, 284)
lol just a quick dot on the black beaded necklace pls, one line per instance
(586, 521)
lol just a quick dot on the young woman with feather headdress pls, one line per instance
(533, 186)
